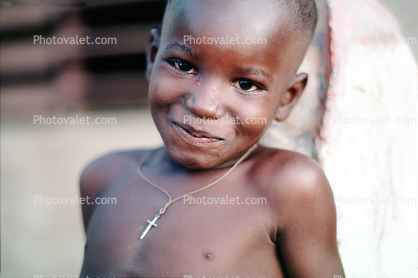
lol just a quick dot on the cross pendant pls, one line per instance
(150, 225)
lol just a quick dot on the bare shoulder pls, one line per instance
(99, 173)
(293, 172)
(295, 185)
(301, 188)
(302, 205)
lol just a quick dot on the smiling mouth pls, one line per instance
(195, 135)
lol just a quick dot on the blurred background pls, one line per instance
(101, 81)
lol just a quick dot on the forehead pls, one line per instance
(251, 16)
(232, 22)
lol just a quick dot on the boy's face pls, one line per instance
(213, 98)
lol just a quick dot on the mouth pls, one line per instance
(196, 136)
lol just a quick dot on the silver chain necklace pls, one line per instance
(151, 223)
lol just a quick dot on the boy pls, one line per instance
(211, 103)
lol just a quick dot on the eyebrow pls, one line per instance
(182, 47)
(254, 71)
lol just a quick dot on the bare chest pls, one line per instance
(218, 232)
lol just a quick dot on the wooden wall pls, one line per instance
(48, 77)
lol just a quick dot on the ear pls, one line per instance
(153, 49)
(291, 96)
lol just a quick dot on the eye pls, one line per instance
(246, 85)
(183, 66)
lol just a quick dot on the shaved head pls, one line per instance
(298, 16)
(304, 13)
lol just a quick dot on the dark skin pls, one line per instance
(290, 234)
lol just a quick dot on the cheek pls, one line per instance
(161, 90)
(257, 117)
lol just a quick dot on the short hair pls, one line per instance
(304, 13)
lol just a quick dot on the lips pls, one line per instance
(195, 136)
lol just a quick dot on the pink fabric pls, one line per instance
(353, 21)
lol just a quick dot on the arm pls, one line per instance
(96, 177)
(307, 233)
(92, 184)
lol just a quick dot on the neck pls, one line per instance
(172, 166)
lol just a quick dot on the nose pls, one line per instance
(206, 100)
